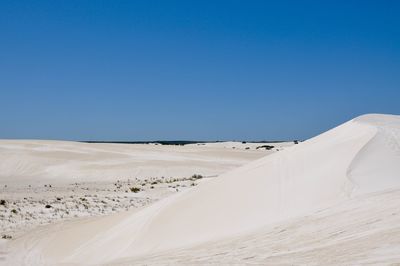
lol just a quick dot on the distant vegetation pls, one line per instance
(267, 147)
(178, 142)
(161, 142)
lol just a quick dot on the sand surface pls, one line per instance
(48, 182)
(331, 200)
(32, 161)
(81, 179)
(361, 231)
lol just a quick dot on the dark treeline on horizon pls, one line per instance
(176, 142)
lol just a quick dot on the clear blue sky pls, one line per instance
(142, 70)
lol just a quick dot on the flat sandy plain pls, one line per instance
(331, 200)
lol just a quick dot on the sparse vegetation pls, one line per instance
(76, 202)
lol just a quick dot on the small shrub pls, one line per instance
(14, 211)
(195, 177)
(135, 189)
(6, 237)
(48, 206)
(267, 147)
(3, 202)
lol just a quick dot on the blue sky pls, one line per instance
(194, 70)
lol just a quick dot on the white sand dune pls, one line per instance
(68, 161)
(350, 163)
(364, 230)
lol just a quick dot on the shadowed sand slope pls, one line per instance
(349, 162)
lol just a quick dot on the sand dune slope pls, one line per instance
(355, 159)
(364, 230)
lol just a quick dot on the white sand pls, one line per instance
(66, 161)
(333, 199)
(36, 173)
(80, 179)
